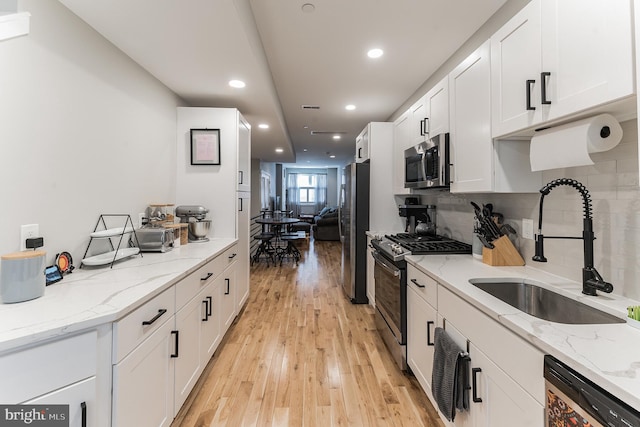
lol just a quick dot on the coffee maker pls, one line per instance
(421, 219)
(195, 216)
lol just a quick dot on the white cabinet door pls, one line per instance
(362, 146)
(471, 144)
(515, 72)
(187, 363)
(437, 100)
(228, 306)
(210, 336)
(242, 249)
(496, 399)
(401, 141)
(81, 398)
(587, 49)
(419, 130)
(143, 382)
(421, 323)
(244, 155)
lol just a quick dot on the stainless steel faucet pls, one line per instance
(591, 279)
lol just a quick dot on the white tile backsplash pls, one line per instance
(613, 185)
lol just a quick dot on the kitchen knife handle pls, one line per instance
(543, 87)
(529, 83)
(156, 317)
(176, 333)
(474, 384)
(415, 282)
(429, 324)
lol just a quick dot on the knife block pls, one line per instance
(503, 254)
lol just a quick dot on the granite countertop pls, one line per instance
(608, 355)
(92, 296)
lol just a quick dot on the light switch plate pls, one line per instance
(27, 232)
(527, 228)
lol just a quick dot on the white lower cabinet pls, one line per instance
(81, 398)
(143, 382)
(227, 303)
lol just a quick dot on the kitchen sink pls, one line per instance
(543, 303)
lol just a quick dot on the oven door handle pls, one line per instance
(380, 260)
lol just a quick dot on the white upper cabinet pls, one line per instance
(362, 146)
(560, 57)
(419, 117)
(437, 101)
(244, 154)
(401, 141)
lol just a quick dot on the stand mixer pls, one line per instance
(198, 226)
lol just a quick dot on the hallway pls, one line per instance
(301, 355)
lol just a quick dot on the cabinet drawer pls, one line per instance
(229, 256)
(520, 360)
(136, 326)
(189, 287)
(32, 372)
(424, 285)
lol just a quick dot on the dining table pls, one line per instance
(277, 225)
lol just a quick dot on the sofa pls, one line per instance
(325, 225)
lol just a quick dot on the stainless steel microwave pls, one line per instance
(427, 165)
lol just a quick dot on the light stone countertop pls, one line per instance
(608, 355)
(92, 296)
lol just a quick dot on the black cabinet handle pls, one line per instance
(232, 256)
(156, 317)
(210, 308)
(228, 283)
(543, 87)
(426, 127)
(415, 282)
(241, 177)
(421, 127)
(176, 333)
(360, 152)
(206, 277)
(241, 206)
(206, 310)
(529, 83)
(429, 342)
(474, 384)
(83, 406)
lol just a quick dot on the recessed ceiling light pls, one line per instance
(263, 126)
(305, 127)
(336, 137)
(305, 150)
(332, 156)
(375, 53)
(237, 84)
(279, 150)
(350, 107)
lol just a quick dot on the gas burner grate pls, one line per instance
(426, 244)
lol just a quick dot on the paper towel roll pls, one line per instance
(569, 145)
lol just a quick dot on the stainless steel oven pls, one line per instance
(391, 299)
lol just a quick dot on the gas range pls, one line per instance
(397, 246)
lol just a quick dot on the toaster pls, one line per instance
(155, 239)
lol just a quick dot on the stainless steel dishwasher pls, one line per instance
(573, 400)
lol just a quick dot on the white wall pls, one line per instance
(83, 131)
(613, 184)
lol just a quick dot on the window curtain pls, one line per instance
(321, 192)
(293, 195)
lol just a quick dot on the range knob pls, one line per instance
(396, 248)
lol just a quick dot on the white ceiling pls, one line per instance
(288, 58)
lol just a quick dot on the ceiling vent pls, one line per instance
(310, 107)
(324, 132)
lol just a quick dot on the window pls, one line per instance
(307, 185)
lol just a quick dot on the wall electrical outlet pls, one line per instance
(27, 232)
(527, 228)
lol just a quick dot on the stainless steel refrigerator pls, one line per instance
(354, 223)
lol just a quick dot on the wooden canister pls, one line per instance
(22, 276)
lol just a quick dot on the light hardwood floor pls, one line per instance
(300, 354)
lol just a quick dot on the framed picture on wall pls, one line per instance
(205, 146)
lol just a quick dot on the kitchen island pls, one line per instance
(606, 354)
